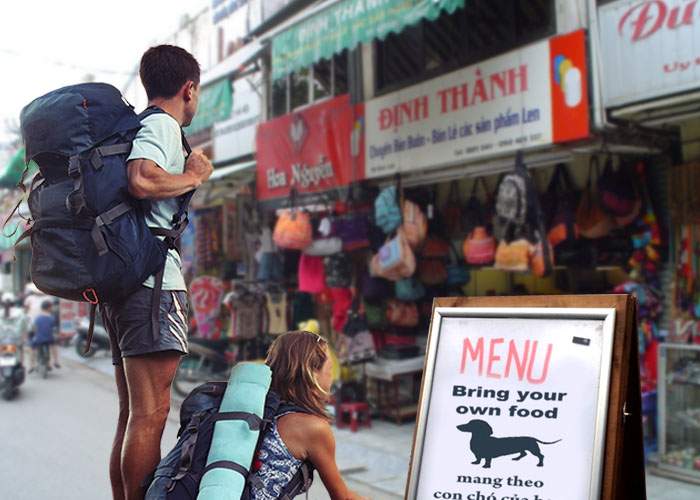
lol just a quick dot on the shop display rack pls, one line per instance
(679, 410)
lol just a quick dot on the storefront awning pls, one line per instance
(345, 24)
(12, 173)
(236, 168)
(215, 105)
(234, 64)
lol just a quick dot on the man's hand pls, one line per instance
(198, 165)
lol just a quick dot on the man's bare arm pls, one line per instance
(149, 181)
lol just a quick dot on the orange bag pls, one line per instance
(513, 256)
(403, 314)
(415, 224)
(293, 230)
(540, 265)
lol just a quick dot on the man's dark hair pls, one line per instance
(46, 305)
(165, 69)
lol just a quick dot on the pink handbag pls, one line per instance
(479, 247)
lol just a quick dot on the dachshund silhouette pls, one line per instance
(485, 446)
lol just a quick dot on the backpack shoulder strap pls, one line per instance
(172, 236)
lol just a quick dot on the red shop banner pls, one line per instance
(317, 149)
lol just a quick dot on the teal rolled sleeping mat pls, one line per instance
(234, 441)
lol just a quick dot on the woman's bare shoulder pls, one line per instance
(309, 424)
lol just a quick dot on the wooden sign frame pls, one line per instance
(622, 474)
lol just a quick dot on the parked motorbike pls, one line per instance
(207, 360)
(12, 372)
(100, 338)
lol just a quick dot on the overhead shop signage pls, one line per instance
(649, 49)
(215, 103)
(346, 24)
(317, 149)
(533, 96)
(235, 137)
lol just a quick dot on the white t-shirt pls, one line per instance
(160, 141)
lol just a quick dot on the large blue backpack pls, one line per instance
(178, 475)
(89, 237)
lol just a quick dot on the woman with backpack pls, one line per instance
(301, 375)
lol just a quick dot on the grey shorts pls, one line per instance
(129, 324)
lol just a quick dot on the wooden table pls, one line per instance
(384, 378)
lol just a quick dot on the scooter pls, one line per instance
(100, 338)
(207, 360)
(12, 372)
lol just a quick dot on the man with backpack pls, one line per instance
(146, 351)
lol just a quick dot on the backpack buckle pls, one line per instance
(74, 166)
(96, 159)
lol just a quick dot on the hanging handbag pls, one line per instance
(617, 191)
(323, 247)
(338, 270)
(513, 256)
(387, 213)
(457, 272)
(591, 219)
(375, 315)
(293, 230)
(415, 224)
(452, 212)
(375, 289)
(559, 207)
(541, 259)
(409, 289)
(312, 274)
(479, 247)
(432, 272)
(435, 248)
(402, 314)
(356, 349)
(395, 260)
(474, 213)
(353, 231)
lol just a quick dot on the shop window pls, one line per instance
(322, 79)
(325, 79)
(340, 73)
(299, 88)
(278, 94)
(482, 29)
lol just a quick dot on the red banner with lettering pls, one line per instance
(317, 149)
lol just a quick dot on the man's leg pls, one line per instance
(115, 458)
(32, 358)
(148, 378)
(54, 355)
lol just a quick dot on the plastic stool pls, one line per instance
(358, 413)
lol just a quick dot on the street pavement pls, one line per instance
(55, 437)
(55, 440)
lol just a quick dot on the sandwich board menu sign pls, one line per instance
(530, 398)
